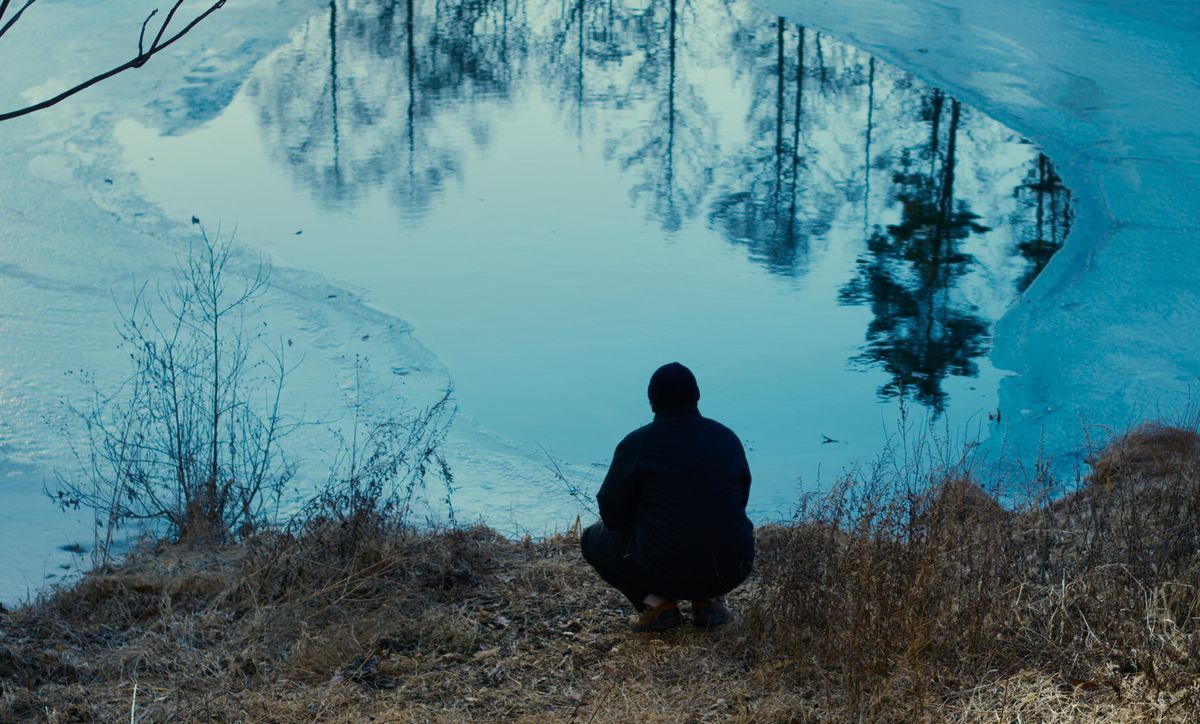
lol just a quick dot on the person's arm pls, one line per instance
(746, 489)
(618, 493)
(745, 477)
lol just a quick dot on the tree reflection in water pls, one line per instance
(767, 201)
(360, 97)
(1049, 203)
(922, 331)
(393, 94)
(669, 154)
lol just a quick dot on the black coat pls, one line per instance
(680, 485)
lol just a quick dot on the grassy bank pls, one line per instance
(903, 594)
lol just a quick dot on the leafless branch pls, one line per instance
(142, 35)
(163, 28)
(160, 43)
(574, 488)
(15, 18)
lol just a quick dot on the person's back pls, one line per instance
(672, 507)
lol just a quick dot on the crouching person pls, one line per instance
(673, 522)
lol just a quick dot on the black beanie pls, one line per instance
(673, 385)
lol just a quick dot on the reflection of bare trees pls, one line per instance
(366, 95)
(759, 207)
(766, 204)
(669, 153)
(777, 191)
(582, 55)
(921, 331)
(1049, 201)
(388, 93)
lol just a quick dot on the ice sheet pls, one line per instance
(1107, 335)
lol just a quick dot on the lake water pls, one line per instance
(562, 196)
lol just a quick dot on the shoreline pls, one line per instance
(938, 604)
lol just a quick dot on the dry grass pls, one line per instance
(913, 598)
(436, 627)
(897, 597)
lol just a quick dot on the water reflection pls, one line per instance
(765, 203)
(773, 136)
(1048, 202)
(668, 156)
(922, 331)
(357, 99)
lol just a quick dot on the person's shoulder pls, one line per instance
(637, 436)
(719, 428)
(715, 425)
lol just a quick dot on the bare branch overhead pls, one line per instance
(4, 6)
(161, 42)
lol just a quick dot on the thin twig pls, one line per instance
(15, 18)
(142, 35)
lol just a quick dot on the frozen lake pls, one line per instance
(557, 198)
(561, 197)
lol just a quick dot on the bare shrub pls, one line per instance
(1140, 507)
(380, 473)
(189, 443)
(352, 532)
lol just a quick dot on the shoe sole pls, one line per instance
(657, 626)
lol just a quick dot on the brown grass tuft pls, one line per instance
(1152, 451)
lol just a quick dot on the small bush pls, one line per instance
(189, 443)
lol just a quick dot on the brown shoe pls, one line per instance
(710, 612)
(657, 618)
